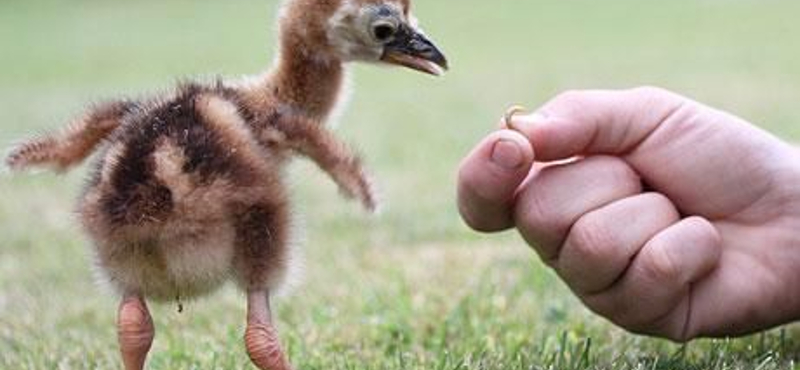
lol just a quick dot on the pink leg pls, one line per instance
(134, 331)
(261, 337)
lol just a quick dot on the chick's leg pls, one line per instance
(261, 337)
(332, 156)
(134, 331)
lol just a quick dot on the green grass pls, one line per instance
(411, 288)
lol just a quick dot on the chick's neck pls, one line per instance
(308, 75)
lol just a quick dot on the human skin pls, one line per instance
(666, 216)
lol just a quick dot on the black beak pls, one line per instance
(413, 50)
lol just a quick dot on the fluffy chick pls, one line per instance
(188, 190)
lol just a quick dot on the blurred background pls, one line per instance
(411, 288)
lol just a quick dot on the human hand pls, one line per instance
(666, 216)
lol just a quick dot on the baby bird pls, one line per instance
(188, 190)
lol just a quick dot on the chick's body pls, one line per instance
(184, 197)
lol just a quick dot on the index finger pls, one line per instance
(597, 121)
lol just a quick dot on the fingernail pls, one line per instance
(507, 154)
(524, 123)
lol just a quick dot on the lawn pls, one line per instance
(410, 288)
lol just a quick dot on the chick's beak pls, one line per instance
(412, 49)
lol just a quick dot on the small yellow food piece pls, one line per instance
(510, 113)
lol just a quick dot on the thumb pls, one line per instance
(488, 179)
(596, 121)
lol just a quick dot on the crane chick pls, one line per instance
(188, 190)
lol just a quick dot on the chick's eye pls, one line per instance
(383, 32)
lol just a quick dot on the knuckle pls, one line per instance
(661, 265)
(541, 226)
(534, 213)
(591, 241)
(704, 229)
(617, 169)
(660, 203)
(656, 96)
(569, 98)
